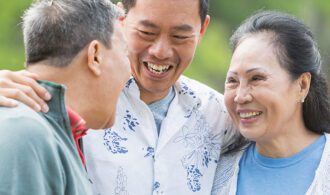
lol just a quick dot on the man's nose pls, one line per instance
(161, 48)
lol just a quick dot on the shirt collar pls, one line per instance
(64, 116)
(188, 98)
(78, 129)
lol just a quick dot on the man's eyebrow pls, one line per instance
(147, 23)
(183, 27)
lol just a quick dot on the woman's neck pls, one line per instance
(286, 145)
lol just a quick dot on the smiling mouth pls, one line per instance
(247, 115)
(156, 68)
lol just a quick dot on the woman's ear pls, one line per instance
(94, 57)
(304, 83)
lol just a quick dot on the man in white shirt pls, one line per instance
(132, 157)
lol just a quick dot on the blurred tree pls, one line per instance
(11, 39)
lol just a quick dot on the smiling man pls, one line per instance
(169, 129)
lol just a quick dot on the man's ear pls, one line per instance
(304, 83)
(121, 8)
(94, 57)
(204, 27)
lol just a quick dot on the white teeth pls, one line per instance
(249, 114)
(158, 69)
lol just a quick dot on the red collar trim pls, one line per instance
(78, 129)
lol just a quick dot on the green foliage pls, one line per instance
(11, 42)
(212, 57)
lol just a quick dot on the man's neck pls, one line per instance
(150, 97)
(47, 72)
(67, 77)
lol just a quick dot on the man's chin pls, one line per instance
(109, 124)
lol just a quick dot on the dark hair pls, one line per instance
(203, 7)
(297, 52)
(56, 31)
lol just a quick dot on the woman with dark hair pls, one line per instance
(278, 97)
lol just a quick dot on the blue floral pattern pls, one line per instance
(121, 183)
(189, 112)
(188, 146)
(193, 176)
(150, 152)
(156, 188)
(203, 148)
(113, 141)
(130, 122)
(129, 82)
(185, 90)
(213, 97)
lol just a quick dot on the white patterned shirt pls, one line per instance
(130, 158)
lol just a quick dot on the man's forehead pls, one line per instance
(176, 27)
(172, 6)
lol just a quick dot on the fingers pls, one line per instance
(28, 74)
(29, 79)
(7, 102)
(19, 95)
(21, 86)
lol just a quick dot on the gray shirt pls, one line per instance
(159, 108)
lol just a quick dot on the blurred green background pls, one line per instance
(213, 55)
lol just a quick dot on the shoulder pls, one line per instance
(227, 163)
(326, 150)
(327, 136)
(197, 86)
(211, 103)
(321, 182)
(206, 94)
(22, 126)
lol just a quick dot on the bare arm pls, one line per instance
(22, 86)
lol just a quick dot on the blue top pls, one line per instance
(159, 108)
(293, 175)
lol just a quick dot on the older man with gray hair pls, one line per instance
(70, 45)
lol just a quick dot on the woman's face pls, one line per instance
(260, 96)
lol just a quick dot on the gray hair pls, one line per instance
(55, 31)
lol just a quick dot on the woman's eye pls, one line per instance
(231, 80)
(257, 78)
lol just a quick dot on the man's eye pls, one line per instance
(146, 33)
(180, 37)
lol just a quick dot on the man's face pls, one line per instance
(117, 73)
(162, 37)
